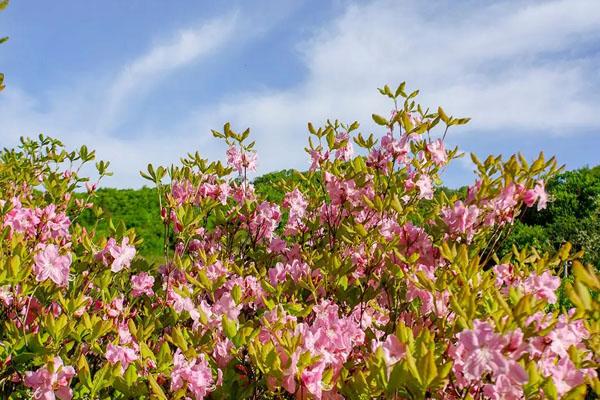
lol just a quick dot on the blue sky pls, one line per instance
(145, 81)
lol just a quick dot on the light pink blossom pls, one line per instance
(49, 385)
(195, 375)
(49, 264)
(120, 354)
(142, 284)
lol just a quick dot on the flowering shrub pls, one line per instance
(363, 282)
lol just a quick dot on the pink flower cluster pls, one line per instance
(120, 354)
(195, 375)
(142, 284)
(297, 204)
(537, 194)
(49, 264)
(331, 339)
(488, 361)
(461, 220)
(481, 352)
(183, 192)
(542, 286)
(41, 223)
(48, 384)
(296, 269)
(241, 160)
(264, 221)
(116, 256)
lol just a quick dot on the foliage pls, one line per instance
(137, 209)
(563, 220)
(362, 281)
(573, 215)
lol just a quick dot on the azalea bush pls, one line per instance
(363, 281)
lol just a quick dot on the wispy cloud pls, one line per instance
(186, 47)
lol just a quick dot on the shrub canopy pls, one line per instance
(361, 281)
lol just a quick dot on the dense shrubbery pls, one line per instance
(572, 215)
(361, 281)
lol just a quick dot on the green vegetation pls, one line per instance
(137, 209)
(572, 215)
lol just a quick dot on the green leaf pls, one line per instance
(236, 294)
(156, 389)
(83, 371)
(380, 120)
(550, 390)
(131, 375)
(229, 327)
(443, 115)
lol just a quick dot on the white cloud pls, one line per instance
(512, 66)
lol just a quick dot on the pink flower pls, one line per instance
(438, 152)
(120, 354)
(461, 220)
(312, 379)
(115, 308)
(538, 193)
(393, 350)
(377, 159)
(241, 160)
(48, 385)
(277, 274)
(565, 375)
(222, 353)
(21, 219)
(124, 334)
(317, 158)
(505, 275)
(122, 255)
(216, 270)
(502, 207)
(142, 284)
(478, 351)
(197, 374)
(118, 257)
(566, 334)
(181, 304)
(296, 202)
(505, 389)
(540, 190)
(264, 221)
(48, 263)
(53, 225)
(397, 149)
(182, 191)
(542, 286)
(296, 269)
(345, 151)
(425, 187)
